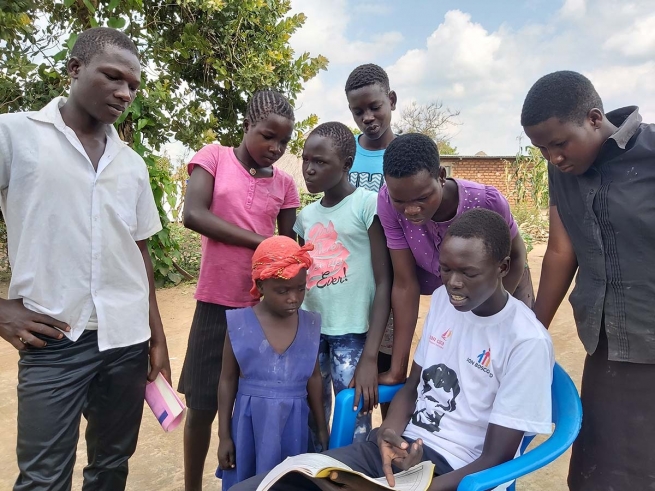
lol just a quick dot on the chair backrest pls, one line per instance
(567, 417)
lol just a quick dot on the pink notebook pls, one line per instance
(165, 403)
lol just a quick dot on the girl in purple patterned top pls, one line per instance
(416, 206)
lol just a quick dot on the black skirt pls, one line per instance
(615, 450)
(204, 357)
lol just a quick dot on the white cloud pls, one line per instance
(324, 33)
(485, 74)
(635, 41)
(573, 9)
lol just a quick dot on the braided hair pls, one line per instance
(365, 75)
(342, 138)
(95, 40)
(265, 102)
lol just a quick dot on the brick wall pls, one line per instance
(483, 169)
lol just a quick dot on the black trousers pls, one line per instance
(59, 383)
(362, 457)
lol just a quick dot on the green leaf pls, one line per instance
(61, 55)
(142, 123)
(68, 3)
(71, 40)
(116, 22)
(89, 6)
(113, 4)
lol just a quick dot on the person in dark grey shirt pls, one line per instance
(602, 225)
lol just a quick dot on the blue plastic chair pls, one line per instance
(567, 417)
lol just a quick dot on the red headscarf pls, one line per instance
(278, 257)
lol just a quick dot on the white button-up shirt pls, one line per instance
(72, 231)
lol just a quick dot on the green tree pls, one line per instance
(203, 59)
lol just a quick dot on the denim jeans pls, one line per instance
(338, 357)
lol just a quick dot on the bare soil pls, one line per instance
(157, 464)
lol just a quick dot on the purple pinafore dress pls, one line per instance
(270, 418)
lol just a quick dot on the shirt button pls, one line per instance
(95, 218)
(95, 256)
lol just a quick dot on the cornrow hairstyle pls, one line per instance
(486, 225)
(95, 40)
(565, 95)
(409, 154)
(342, 138)
(265, 102)
(365, 75)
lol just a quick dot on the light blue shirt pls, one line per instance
(340, 281)
(367, 169)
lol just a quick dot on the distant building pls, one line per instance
(483, 168)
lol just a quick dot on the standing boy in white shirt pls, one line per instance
(82, 309)
(480, 380)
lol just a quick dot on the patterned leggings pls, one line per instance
(338, 357)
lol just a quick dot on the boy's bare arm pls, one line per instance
(557, 270)
(285, 222)
(198, 217)
(518, 256)
(159, 359)
(403, 404)
(365, 380)
(500, 445)
(405, 296)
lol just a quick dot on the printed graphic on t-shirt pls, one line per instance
(366, 180)
(440, 341)
(482, 362)
(329, 266)
(440, 389)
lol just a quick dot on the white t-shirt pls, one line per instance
(72, 230)
(480, 370)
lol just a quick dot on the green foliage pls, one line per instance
(203, 59)
(308, 198)
(300, 134)
(190, 248)
(445, 148)
(527, 179)
(5, 270)
(527, 175)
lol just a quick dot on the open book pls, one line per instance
(418, 478)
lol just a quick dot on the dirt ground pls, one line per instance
(157, 464)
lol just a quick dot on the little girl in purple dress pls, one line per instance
(270, 376)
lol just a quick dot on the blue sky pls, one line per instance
(479, 56)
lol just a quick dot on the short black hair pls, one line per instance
(341, 136)
(265, 102)
(487, 225)
(368, 74)
(565, 95)
(409, 154)
(95, 40)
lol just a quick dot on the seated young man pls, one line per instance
(480, 380)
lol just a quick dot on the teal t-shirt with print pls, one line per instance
(340, 281)
(366, 171)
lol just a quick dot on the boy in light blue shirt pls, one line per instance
(371, 102)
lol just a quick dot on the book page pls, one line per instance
(311, 464)
(418, 478)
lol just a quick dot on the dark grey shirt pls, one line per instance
(609, 214)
